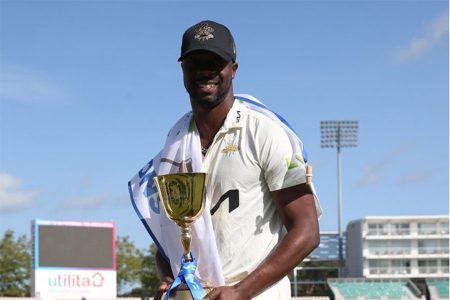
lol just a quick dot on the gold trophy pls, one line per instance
(182, 195)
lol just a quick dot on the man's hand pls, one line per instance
(226, 293)
(164, 273)
(163, 287)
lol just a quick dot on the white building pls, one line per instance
(398, 247)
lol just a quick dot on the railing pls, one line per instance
(427, 231)
(384, 232)
(379, 271)
(389, 251)
(433, 250)
(433, 231)
(390, 270)
(400, 270)
(428, 270)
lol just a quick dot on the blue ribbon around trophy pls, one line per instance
(187, 275)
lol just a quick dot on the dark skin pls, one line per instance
(208, 80)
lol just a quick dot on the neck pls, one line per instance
(209, 120)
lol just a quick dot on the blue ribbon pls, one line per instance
(187, 275)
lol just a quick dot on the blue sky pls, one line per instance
(89, 89)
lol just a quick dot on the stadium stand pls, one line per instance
(439, 288)
(361, 288)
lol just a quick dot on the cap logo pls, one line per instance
(204, 32)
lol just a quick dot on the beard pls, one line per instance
(210, 101)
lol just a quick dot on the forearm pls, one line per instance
(296, 207)
(163, 267)
(294, 247)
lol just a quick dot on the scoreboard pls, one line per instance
(73, 260)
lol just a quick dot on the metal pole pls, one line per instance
(339, 134)
(341, 255)
(295, 283)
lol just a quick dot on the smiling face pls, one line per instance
(208, 78)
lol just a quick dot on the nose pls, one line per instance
(205, 73)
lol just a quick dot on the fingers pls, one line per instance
(158, 296)
(163, 286)
(212, 295)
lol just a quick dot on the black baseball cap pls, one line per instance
(209, 36)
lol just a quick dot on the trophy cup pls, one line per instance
(182, 196)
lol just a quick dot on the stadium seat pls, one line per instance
(372, 288)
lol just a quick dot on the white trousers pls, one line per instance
(279, 291)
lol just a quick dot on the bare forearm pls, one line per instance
(296, 207)
(294, 247)
(164, 270)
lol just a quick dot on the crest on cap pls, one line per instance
(204, 32)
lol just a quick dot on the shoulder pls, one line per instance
(260, 123)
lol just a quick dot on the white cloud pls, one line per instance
(87, 202)
(433, 32)
(18, 83)
(12, 198)
(414, 177)
(377, 172)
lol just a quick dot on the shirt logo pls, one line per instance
(204, 32)
(230, 149)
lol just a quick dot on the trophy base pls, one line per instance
(182, 292)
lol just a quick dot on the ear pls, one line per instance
(234, 67)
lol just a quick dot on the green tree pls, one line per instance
(129, 262)
(15, 265)
(149, 276)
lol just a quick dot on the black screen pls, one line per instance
(78, 247)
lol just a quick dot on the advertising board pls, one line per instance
(73, 260)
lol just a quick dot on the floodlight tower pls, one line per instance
(339, 134)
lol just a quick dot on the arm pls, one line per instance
(164, 273)
(297, 210)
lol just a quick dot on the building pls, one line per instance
(310, 277)
(398, 247)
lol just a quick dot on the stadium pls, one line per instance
(386, 257)
(393, 257)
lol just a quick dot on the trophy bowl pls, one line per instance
(182, 197)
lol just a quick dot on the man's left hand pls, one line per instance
(226, 293)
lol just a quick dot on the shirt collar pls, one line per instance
(235, 117)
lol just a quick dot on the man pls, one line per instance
(263, 213)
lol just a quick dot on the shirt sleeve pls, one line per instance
(282, 167)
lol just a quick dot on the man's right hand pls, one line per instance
(164, 273)
(163, 287)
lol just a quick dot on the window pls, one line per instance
(427, 228)
(444, 266)
(401, 247)
(378, 266)
(444, 227)
(428, 246)
(377, 229)
(400, 229)
(378, 247)
(433, 246)
(427, 266)
(443, 246)
(401, 266)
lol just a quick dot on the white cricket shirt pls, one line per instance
(249, 157)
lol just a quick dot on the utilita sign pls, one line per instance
(75, 284)
(73, 260)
